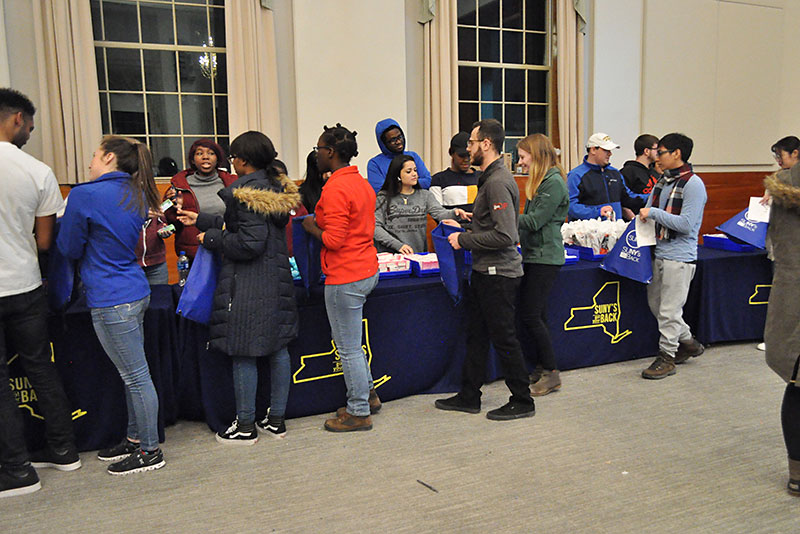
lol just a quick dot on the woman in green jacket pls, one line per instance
(542, 249)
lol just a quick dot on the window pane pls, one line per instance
(222, 114)
(120, 21)
(225, 143)
(512, 47)
(192, 25)
(468, 83)
(492, 84)
(535, 48)
(537, 86)
(466, 12)
(97, 26)
(221, 81)
(157, 24)
(217, 26)
(515, 119)
(159, 70)
(489, 45)
(167, 155)
(466, 44)
(124, 69)
(192, 78)
(467, 116)
(537, 119)
(163, 115)
(198, 118)
(492, 111)
(127, 114)
(515, 85)
(512, 14)
(535, 11)
(489, 13)
(104, 113)
(510, 147)
(101, 67)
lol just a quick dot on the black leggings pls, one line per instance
(790, 418)
(536, 285)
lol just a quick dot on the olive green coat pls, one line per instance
(540, 222)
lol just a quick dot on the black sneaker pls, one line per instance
(22, 483)
(456, 403)
(511, 411)
(138, 462)
(276, 426)
(118, 452)
(66, 460)
(237, 434)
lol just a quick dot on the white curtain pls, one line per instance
(253, 102)
(69, 113)
(440, 85)
(569, 53)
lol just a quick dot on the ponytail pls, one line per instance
(135, 159)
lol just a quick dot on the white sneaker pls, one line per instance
(762, 346)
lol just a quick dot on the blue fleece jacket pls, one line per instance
(99, 231)
(683, 245)
(377, 166)
(591, 187)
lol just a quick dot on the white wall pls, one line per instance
(350, 67)
(722, 71)
(616, 73)
(21, 53)
(5, 75)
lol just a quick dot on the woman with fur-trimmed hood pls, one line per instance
(255, 313)
(782, 331)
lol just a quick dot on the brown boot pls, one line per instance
(662, 367)
(374, 404)
(793, 487)
(549, 382)
(348, 423)
(688, 349)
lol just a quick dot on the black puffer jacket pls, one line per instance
(255, 312)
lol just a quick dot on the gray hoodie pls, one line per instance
(406, 220)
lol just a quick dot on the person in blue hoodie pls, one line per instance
(596, 189)
(100, 229)
(392, 142)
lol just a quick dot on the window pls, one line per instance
(162, 74)
(504, 66)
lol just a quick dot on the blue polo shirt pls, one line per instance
(101, 232)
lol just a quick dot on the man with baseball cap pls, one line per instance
(456, 186)
(596, 189)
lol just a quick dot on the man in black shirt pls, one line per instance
(639, 174)
(457, 186)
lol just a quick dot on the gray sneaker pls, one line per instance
(662, 367)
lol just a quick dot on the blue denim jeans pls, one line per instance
(245, 384)
(344, 304)
(119, 329)
(157, 274)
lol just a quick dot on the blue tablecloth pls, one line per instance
(414, 336)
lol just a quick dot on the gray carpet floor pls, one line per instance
(700, 451)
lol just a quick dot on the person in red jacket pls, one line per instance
(195, 189)
(344, 221)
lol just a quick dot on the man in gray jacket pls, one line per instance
(496, 275)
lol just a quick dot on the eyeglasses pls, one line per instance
(662, 152)
(318, 148)
(470, 141)
(396, 139)
(777, 155)
(232, 157)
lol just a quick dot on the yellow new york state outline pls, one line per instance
(334, 352)
(75, 415)
(615, 338)
(755, 292)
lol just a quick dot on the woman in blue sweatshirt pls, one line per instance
(100, 229)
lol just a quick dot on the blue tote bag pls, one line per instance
(197, 298)
(741, 228)
(452, 262)
(628, 259)
(307, 250)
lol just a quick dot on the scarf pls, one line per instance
(680, 176)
